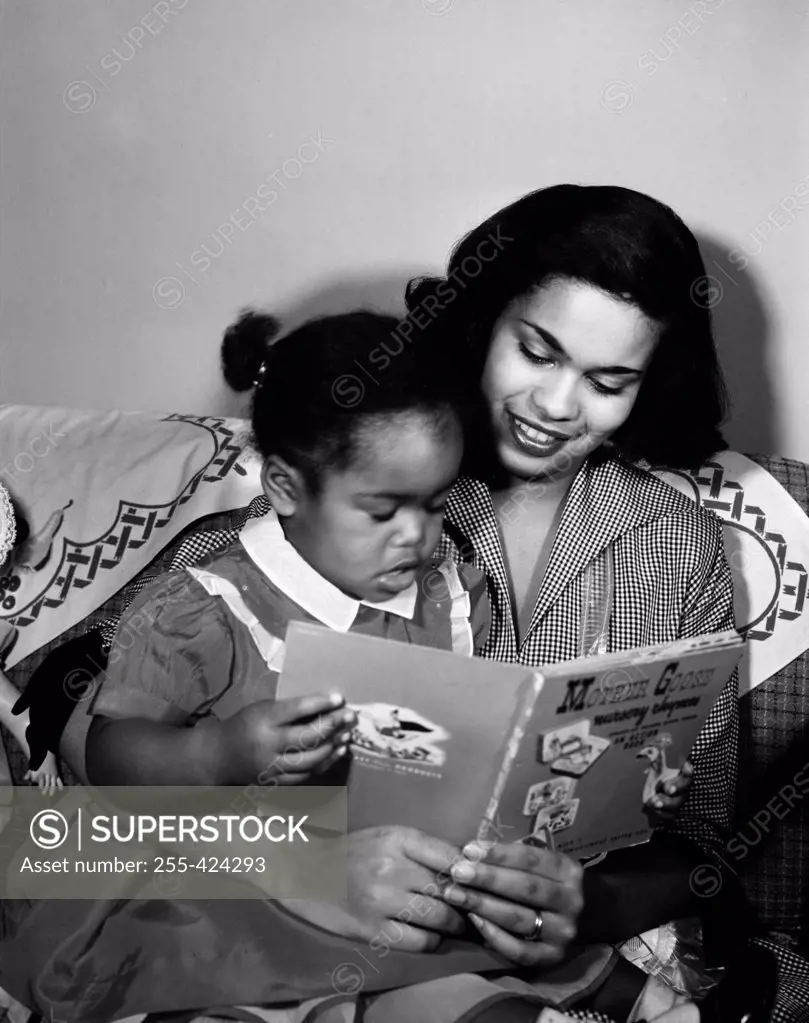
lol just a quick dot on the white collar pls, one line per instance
(274, 555)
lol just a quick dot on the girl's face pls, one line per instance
(562, 374)
(372, 526)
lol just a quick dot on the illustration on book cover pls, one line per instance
(658, 772)
(570, 752)
(388, 731)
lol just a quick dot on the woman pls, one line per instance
(573, 309)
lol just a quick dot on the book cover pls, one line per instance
(452, 745)
(433, 730)
(603, 733)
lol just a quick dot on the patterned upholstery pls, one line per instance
(22, 671)
(774, 724)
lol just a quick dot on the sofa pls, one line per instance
(111, 497)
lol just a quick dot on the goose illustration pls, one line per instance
(658, 770)
(400, 733)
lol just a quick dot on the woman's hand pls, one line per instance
(508, 888)
(393, 895)
(667, 802)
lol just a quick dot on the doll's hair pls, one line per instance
(13, 527)
(318, 389)
(626, 244)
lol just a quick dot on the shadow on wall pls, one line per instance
(383, 293)
(742, 336)
(740, 320)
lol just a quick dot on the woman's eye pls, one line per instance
(539, 360)
(604, 389)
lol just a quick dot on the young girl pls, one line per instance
(41, 771)
(357, 470)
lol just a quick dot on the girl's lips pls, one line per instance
(395, 580)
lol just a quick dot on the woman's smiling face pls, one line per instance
(563, 371)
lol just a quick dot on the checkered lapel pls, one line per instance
(606, 500)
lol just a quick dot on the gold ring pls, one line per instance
(536, 933)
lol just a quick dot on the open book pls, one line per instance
(465, 747)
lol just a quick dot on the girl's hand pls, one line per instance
(664, 806)
(46, 776)
(287, 741)
(393, 894)
(506, 888)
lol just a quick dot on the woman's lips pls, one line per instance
(534, 440)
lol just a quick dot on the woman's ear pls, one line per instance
(283, 485)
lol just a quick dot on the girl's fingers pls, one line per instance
(302, 763)
(331, 760)
(322, 730)
(300, 708)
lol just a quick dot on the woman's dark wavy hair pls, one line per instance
(318, 387)
(628, 245)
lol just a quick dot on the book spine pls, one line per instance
(487, 825)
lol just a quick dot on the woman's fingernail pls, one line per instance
(657, 802)
(473, 852)
(463, 872)
(454, 896)
(345, 738)
(670, 790)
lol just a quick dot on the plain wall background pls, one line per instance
(118, 166)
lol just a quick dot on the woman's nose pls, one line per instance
(557, 398)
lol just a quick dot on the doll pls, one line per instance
(46, 773)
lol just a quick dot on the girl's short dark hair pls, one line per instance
(316, 388)
(628, 245)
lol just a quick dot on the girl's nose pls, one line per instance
(557, 397)
(411, 529)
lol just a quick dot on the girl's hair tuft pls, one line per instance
(245, 346)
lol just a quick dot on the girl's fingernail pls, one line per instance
(345, 738)
(657, 802)
(336, 699)
(463, 872)
(454, 896)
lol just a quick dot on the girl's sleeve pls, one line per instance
(706, 815)
(480, 615)
(172, 654)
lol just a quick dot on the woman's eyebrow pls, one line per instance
(555, 344)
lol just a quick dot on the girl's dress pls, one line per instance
(209, 640)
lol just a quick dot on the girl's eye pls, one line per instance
(539, 360)
(382, 516)
(603, 389)
(437, 509)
